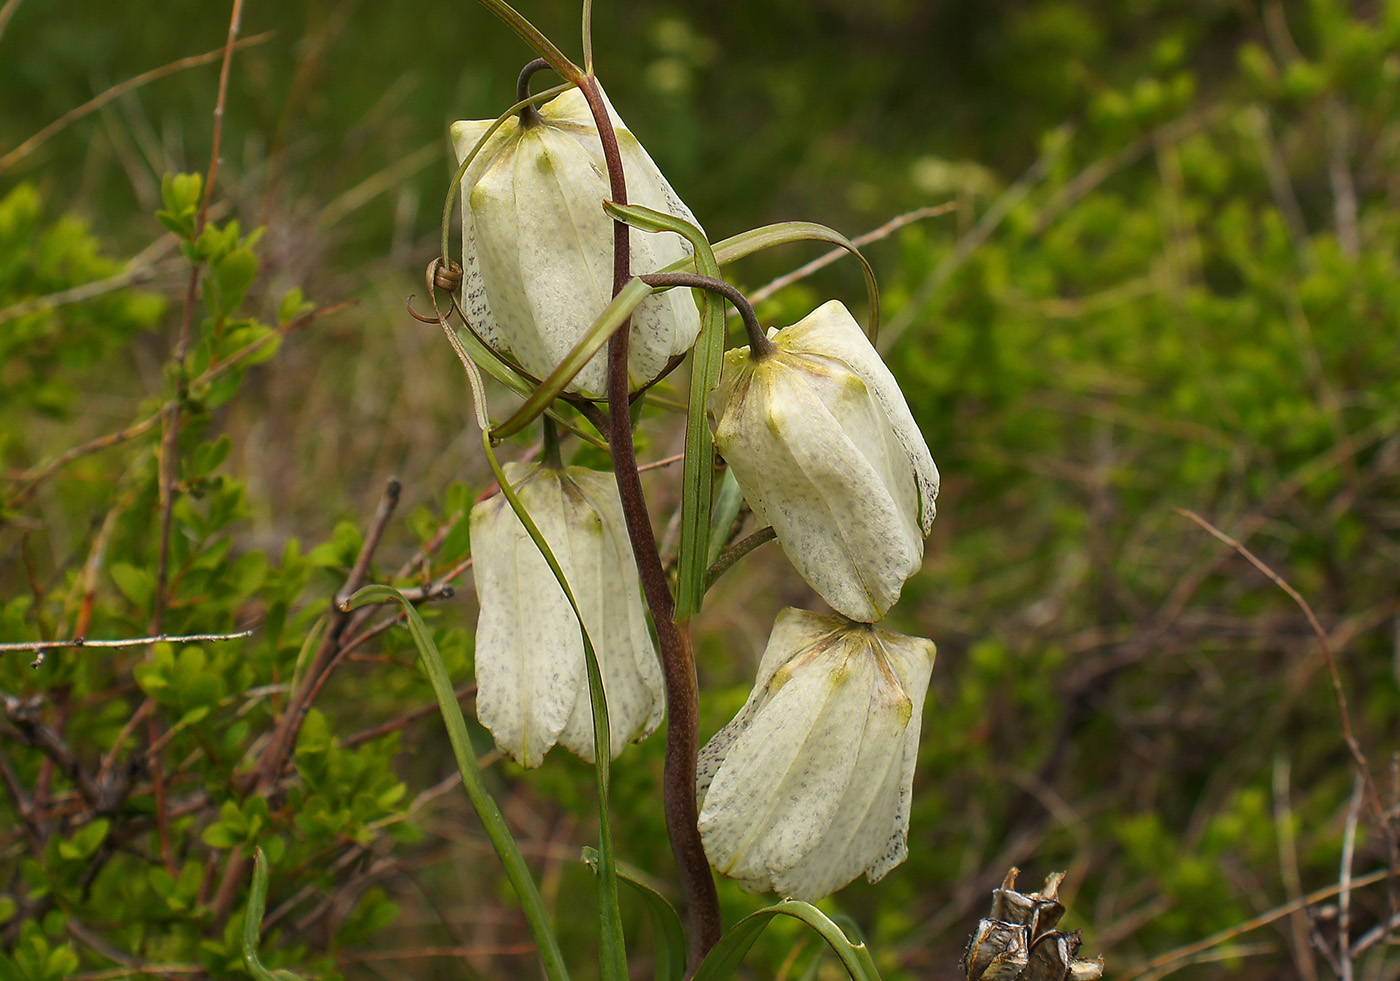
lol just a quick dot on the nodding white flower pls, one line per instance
(826, 451)
(538, 248)
(810, 784)
(532, 685)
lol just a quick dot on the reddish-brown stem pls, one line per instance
(170, 440)
(284, 735)
(169, 460)
(677, 658)
(157, 765)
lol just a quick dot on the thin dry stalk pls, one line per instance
(1303, 957)
(827, 258)
(1362, 765)
(1173, 960)
(115, 92)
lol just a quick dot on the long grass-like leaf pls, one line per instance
(665, 921)
(786, 233)
(612, 948)
(698, 471)
(614, 315)
(252, 924)
(729, 953)
(486, 809)
(535, 38)
(728, 500)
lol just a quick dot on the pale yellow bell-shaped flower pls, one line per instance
(810, 785)
(826, 451)
(532, 685)
(538, 248)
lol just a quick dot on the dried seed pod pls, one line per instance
(1018, 941)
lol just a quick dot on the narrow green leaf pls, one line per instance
(786, 233)
(252, 924)
(727, 504)
(729, 953)
(665, 921)
(491, 363)
(614, 315)
(698, 470)
(486, 809)
(612, 948)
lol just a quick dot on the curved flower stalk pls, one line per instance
(537, 246)
(810, 784)
(532, 688)
(826, 451)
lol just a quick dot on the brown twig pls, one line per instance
(170, 430)
(24, 807)
(284, 734)
(827, 258)
(116, 92)
(103, 797)
(37, 476)
(1164, 964)
(6, 12)
(1303, 957)
(1385, 825)
(78, 294)
(1362, 765)
(1344, 955)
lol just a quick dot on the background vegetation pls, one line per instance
(1169, 281)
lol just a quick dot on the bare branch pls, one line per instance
(40, 646)
(1362, 765)
(115, 92)
(826, 259)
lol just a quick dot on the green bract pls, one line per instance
(810, 784)
(823, 445)
(532, 690)
(537, 248)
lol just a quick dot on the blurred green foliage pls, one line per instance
(1170, 281)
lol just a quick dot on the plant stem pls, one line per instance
(529, 115)
(760, 346)
(678, 661)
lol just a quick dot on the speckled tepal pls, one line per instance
(810, 784)
(537, 247)
(824, 447)
(532, 685)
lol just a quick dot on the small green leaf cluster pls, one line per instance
(49, 342)
(1193, 309)
(133, 790)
